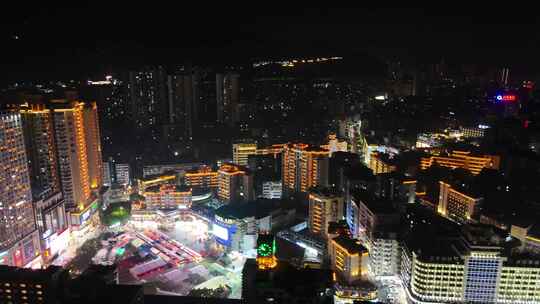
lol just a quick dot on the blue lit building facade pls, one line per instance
(479, 267)
(224, 231)
(352, 217)
(482, 270)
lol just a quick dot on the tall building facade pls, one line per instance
(376, 224)
(183, 98)
(72, 153)
(234, 184)
(478, 266)
(93, 144)
(40, 147)
(348, 258)
(241, 152)
(116, 173)
(325, 206)
(227, 97)
(147, 92)
(52, 223)
(304, 167)
(123, 174)
(19, 240)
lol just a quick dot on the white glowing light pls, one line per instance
(220, 232)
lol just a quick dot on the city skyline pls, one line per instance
(277, 155)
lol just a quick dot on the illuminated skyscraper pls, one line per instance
(304, 167)
(183, 97)
(40, 149)
(241, 152)
(325, 206)
(72, 153)
(148, 96)
(93, 145)
(348, 258)
(234, 184)
(49, 205)
(19, 240)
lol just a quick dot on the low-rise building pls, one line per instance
(156, 180)
(167, 197)
(203, 178)
(474, 132)
(457, 205)
(467, 160)
(235, 226)
(382, 163)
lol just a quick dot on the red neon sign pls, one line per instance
(506, 97)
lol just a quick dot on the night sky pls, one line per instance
(78, 41)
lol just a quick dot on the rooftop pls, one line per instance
(439, 250)
(352, 246)
(231, 168)
(287, 251)
(299, 282)
(24, 274)
(374, 204)
(387, 158)
(484, 235)
(359, 172)
(258, 208)
(315, 149)
(177, 188)
(534, 231)
(326, 192)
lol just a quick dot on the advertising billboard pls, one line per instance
(220, 232)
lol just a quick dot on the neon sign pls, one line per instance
(506, 97)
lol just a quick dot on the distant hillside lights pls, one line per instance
(295, 62)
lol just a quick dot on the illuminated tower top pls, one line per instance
(266, 251)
